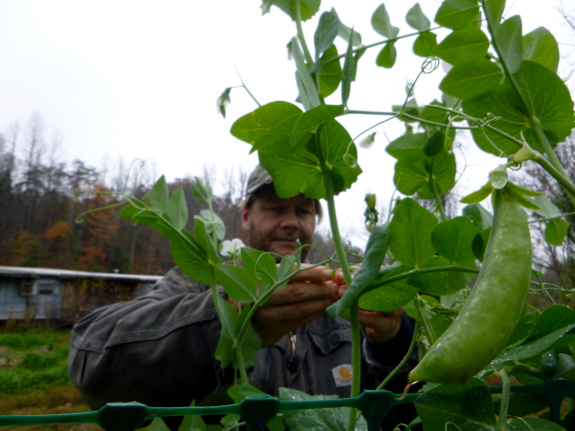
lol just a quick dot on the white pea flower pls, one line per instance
(232, 248)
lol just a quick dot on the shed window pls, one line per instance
(26, 287)
(45, 288)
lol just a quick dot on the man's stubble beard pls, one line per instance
(257, 241)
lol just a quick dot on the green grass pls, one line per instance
(34, 360)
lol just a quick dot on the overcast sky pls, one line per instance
(139, 79)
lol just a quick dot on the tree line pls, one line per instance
(41, 198)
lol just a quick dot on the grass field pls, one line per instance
(34, 378)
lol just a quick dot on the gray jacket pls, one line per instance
(159, 350)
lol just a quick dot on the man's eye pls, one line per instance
(304, 211)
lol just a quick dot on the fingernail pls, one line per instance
(327, 273)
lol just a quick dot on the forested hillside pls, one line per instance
(42, 196)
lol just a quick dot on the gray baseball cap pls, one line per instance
(258, 178)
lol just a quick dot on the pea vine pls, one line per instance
(503, 89)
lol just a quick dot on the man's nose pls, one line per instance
(290, 219)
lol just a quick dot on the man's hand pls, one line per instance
(303, 300)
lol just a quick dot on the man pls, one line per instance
(159, 349)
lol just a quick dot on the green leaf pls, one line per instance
(332, 419)
(417, 19)
(479, 244)
(237, 283)
(502, 102)
(531, 349)
(463, 47)
(410, 176)
(381, 23)
(330, 74)
(534, 424)
(425, 44)
(434, 144)
(457, 14)
(348, 74)
(472, 82)
(387, 56)
(308, 8)
(436, 115)
(261, 265)
(177, 209)
(158, 424)
(205, 241)
(517, 190)
(389, 297)
(465, 407)
(206, 217)
(565, 367)
(308, 92)
(547, 209)
(375, 251)
(541, 47)
(430, 306)
(228, 317)
(523, 404)
(297, 170)
(494, 12)
(556, 231)
(453, 238)
(249, 344)
(552, 319)
(547, 99)
(439, 283)
(510, 43)
(409, 233)
(254, 125)
(347, 33)
(159, 195)
(441, 170)
(325, 33)
(191, 258)
(479, 195)
(310, 120)
(480, 217)
(407, 147)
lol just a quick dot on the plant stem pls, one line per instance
(436, 196)
(423, 319)
(404, 360)
(300, 35)
(342, 257)
(561, 179)
(553, 159)
(381, 42)
(505, 393)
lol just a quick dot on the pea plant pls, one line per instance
(504, 89)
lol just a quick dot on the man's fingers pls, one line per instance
(317, 274)
(303, 291)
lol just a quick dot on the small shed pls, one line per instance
(64, 295)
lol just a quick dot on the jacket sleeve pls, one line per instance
(157, 349)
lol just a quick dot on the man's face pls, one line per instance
(274, 223)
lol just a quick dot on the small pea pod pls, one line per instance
(374, 254)
(488, 318)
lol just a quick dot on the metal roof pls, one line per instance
(20, 271)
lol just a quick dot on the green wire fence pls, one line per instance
(258, 411)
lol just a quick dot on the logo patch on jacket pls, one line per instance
(342, 375)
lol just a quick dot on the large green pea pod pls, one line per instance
(495, 305)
